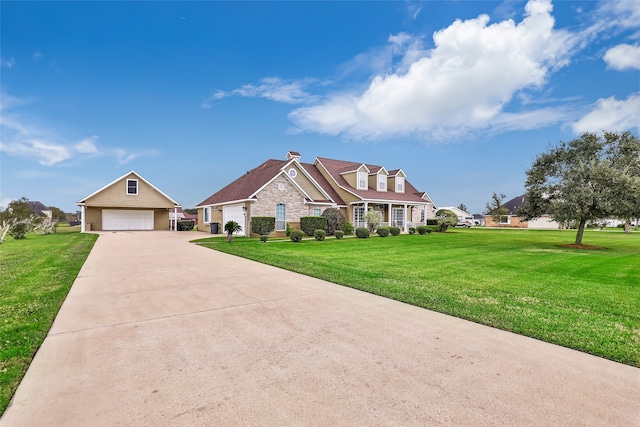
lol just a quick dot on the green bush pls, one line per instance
(319, 235)
(339, 234)
(19, 231)
(296, 236)
(309, 224)
(335, 220)
(288, 230)
(395, 231)
(264, 238)
(362, 232)
(446, 219)
(412, 230)
(263, 224)
(422, 229)
(383, 231)
(429, 230)
(185, 225)
(348, 228)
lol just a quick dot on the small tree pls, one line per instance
(335, 220)
(232, 227)
(17, 220)
(373, 220)
(496, 209)
(462, 207)
(446, 219)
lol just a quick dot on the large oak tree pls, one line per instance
(593, 177)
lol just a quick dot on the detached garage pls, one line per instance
(128, 203)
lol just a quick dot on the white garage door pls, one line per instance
(233, 213)
(116, 219)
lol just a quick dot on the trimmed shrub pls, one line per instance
(288, 231)
(412, 230)
(319, 235)
(185, 225)
(339, 234)
(422, 229)
(395, 231)
(348, 228)
(296, 236)
(335, 220)
(263, 224)
(429, 230)
(309, 224)
(264, 238)
(362, 232)
(383, 231)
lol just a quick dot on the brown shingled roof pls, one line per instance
(336, 167)
(245, 186)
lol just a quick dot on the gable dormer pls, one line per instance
(358, 178)
(378, 177)
(397, 181)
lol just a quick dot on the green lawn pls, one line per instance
(35, 276)
(517, 280)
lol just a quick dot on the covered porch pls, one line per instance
(403, 215)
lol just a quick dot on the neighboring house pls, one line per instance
(128, 203)
(289, 189)
(512, 220)
(39, 209)
(464, 218)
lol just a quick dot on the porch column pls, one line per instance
(389, 210)
(83, 228)
(404, 225)
(175, 219)
(366, 209)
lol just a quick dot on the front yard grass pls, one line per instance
(35, 276)
(522, 281)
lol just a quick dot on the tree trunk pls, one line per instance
(581, 226)
(627, 226)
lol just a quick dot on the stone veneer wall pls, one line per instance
(271, 195)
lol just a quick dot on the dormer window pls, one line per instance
(132, 187)
(362, 180)
(382, 182)
(399, 184)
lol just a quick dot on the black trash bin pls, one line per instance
(215, 226)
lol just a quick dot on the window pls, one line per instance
(504, 219)
(382, 183)
(397, 217)
(317, 211)
(132, 187)
(206, 215)
(399, 184)
(358, 216)
(362, 180)
(293, 173)
(281, 217)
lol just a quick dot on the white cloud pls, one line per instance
(7, 63)
(623, 57)
(461, 85)
(21, 138)
(612, 115)
(273, 88)
(87, 145)
(623, 14)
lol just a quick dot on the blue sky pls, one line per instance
(462, 95)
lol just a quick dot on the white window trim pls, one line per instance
(508, 219)
(382, 179)
(293, 173)
(400, 184)
(206, 216)
(283, 227)
(127, 188)
(319, 210)
(359, 183)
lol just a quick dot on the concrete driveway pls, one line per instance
(158, 331)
